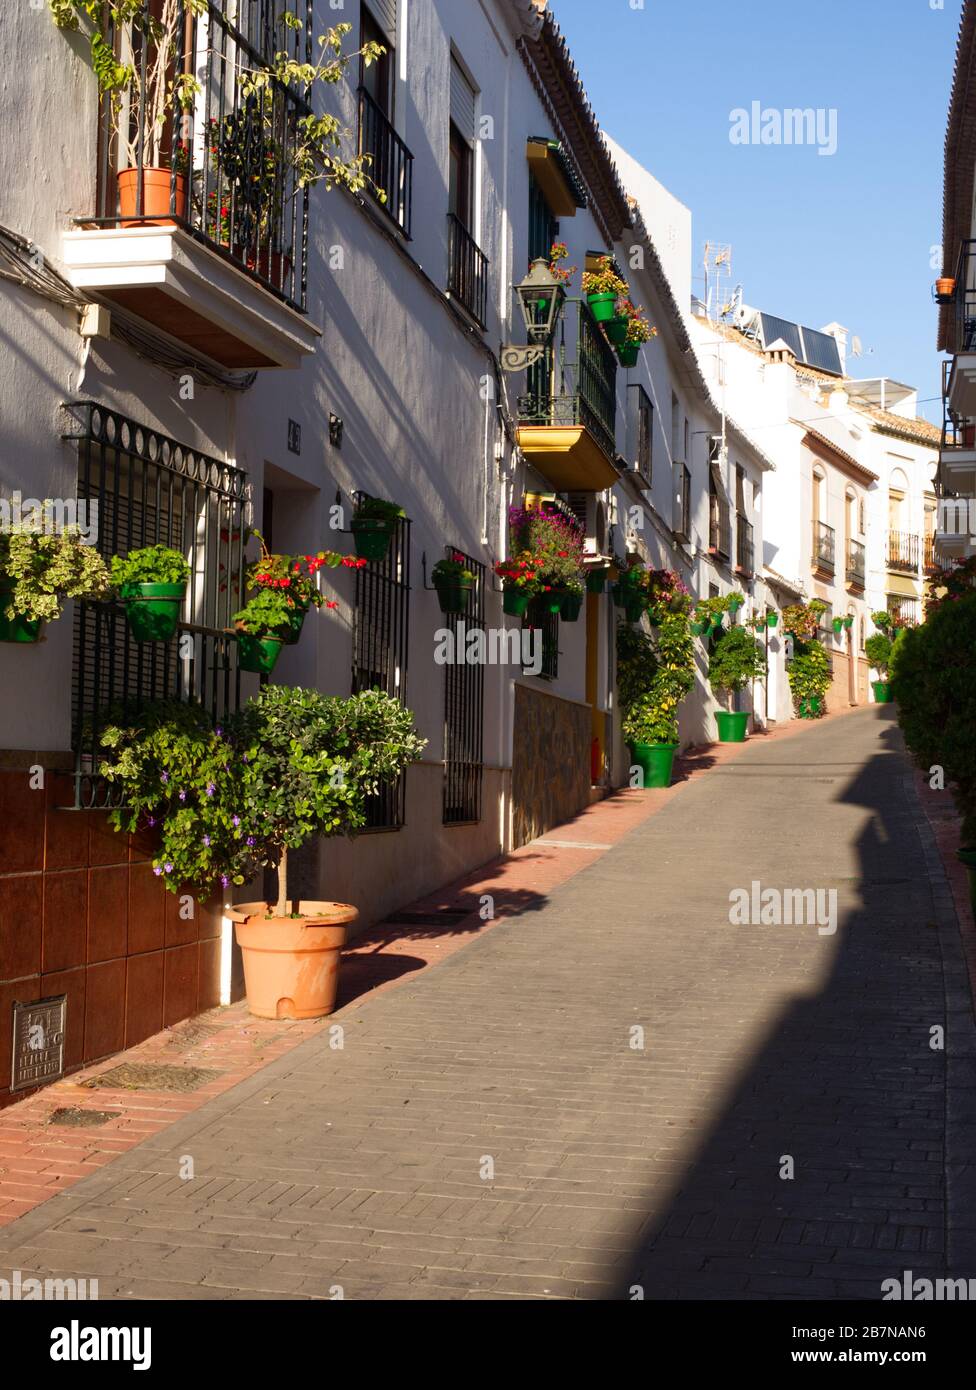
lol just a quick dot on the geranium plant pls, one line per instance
(558, 253)
(451, 570)
(519, 573)
(39, 570)
(295, 575)
(639, 329)
(801, 621)
(554, 542)
(229, 800)
(153, 564)
(604, 279)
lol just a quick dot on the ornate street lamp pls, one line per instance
(541, 297)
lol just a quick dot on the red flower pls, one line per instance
(331, 604)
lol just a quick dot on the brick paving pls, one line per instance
(489, 1129)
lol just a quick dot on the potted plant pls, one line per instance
(737, 659)
(373, 527)
(878, 650)
(772, 620)
(558, 253)
(39, 571)
(151, 585)
(849, 621)
(262, 626)
(230, 801)
(520, 583)
(838, 626)
(603, 287)
(945, 289)
(572, 601)
(554, 541)
(295, 578)
(653, 677)
(637, 332)
(596, 579)
(454, 583)
(809, 674)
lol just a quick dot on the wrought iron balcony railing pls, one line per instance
(964, 300)
(824, 547)
(467, 269)
(935, 558)
(390, 162)
(745, 553)
(719, 527)
(856, 566)
(576, 384)
(225, 168)
(958, 431)
(904, 552)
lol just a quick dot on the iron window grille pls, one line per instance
(464, 705)
(151, 490)
(547, 624)
(644, 428)
(904, 551)
(719, 519)
(745, 552)
(390, 161)
(234, 183)
(576, 384)
(381, 630)
(467, 278)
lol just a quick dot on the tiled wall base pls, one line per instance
(550, 762)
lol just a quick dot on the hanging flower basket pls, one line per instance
(603, 307)
(628, 355)
(294, 630)
(616, 330)
(838, 626)
(699, 629)
(596, 581)
(18, 628)
(772, 620)
(515, 602)
(372, 536)
(849, 621)
(571, 607)
(454, 592)
(152, 610)
(257, 653)
(633, 610)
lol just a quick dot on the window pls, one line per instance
(543, 227)
(720, 525)
(460, 200)
(675, 426)
(860, 518)
(377, 79)
(151, 490)
(548, 625)
(643, 416)
(464, 703)
(740, 489)
(380, 630)
(391, 163)
(467, 265)
(682, 501)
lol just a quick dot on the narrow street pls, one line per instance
(497, 1128)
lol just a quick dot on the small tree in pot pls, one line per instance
(878, 649)
(737, 659)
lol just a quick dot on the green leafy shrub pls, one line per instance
(737, 659)
(933, 672)
(878, 649)
(653, 677)
(155, 564)
(40, 570)
(230, 800)
(809, 672)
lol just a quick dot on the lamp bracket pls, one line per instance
(519, 359)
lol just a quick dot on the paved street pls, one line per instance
(494, 1128)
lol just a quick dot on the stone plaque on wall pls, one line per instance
(38, 1042)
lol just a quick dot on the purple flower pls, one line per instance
(168, 868)
(157, 871)
(246, 758)
(250, 839)
(164, 777)
(235, 820)
(182, 796)
(206, 841)
(151, 820)
(219, 732)
(225, 881)
(211, 788)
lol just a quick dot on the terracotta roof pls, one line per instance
(557, 80)
(914, 428)
(848, 459)
(960, 156)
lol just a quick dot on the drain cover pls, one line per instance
(75, 1116)
(146, 1076)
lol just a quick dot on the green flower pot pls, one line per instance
(596, 582)
(17, 628)
(716, 624)
(552, 602)
(294, 631)
(258, 654)
(699, 629)
(571, 607)
(628, 354)
(656, 762)
(152, 610)
(603, 306)
(619, 592)
(454, 594)
(515, 602)
(772, 620)
(882, 692)
(811, 707)
(633, 610)
(732, 727)
(616, 330)
(371, 536)
(838, 626)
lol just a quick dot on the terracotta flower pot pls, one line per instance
(157, 187)
(291, 965)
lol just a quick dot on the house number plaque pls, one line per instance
(38, 1042)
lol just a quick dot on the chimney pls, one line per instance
(840, 335)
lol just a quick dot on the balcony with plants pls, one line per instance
(207, 148)
(904, 552)
(957, 460)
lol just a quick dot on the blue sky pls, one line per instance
(817, 239)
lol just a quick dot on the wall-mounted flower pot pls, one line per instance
(157, 189)
(152, 610)
(628, 355)
(634, 610)
(945, 288)
(17, 628)
(603, 306)
(291, 965)
(699, 629)
(294, 631)
(515, 602)
(371, 536)
(454, 593)
(838, 626)
(616, 329)
(596, 581)
(772, 620)
(619, 592)
(656, 762)
(552, 601)
(571, 607)
(849, 622)
(882, 692)
(732, 726)
(716, 624)
(258, 654)
(811, 707)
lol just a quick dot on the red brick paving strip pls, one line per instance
(39, 1159)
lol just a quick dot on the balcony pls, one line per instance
(961, 392)
(824, 547)
(856, 570)
(904, 552)
(205, 237)
(719, 527)
(467, 270)
(567, 417)
(391, 163)
(957, 464)
(745, 553)
(935, 557)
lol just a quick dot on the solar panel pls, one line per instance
(773, 329)
(821, 350)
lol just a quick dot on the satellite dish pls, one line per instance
(857, 347)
